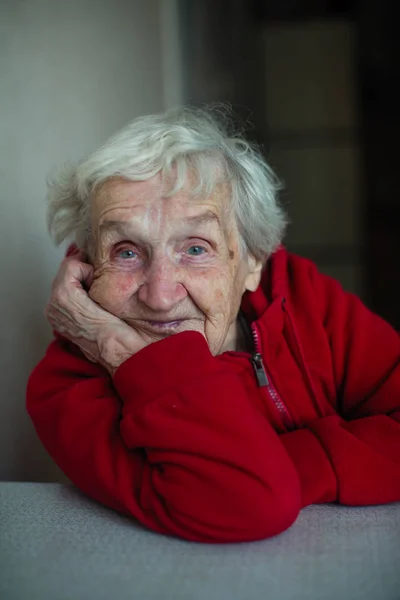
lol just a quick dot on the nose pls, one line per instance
(161, 290)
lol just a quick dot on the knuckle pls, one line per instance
(59, 296)
(68, 266)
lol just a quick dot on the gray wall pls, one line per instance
(71, 73)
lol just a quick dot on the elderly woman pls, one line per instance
(202, 379)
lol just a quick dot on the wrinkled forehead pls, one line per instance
(118, 194)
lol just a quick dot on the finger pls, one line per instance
(86, 278)
(76, 253)
(73, 271)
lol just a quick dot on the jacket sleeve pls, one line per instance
(172, 440)
(360, 444)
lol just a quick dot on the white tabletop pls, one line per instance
(57, 544)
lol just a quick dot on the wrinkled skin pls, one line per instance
(160, 266)
(101, 336)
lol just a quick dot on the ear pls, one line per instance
(253, 277)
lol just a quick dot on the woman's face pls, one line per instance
(166, 265)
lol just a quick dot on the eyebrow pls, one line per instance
(206, 217)
(123, 227)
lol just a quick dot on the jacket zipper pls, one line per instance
(264, 380)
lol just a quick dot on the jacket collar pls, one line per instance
(264, 306)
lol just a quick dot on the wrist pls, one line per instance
(115, 347)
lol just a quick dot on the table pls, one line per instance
(57, 544)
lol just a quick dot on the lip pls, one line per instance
(165, 324)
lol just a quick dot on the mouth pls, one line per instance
(164, 325)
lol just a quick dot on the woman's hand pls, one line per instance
(101, 336)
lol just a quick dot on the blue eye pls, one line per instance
(196, 250)
(127, 254)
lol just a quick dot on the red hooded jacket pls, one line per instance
(230, 448)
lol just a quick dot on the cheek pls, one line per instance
(219, 295)
(113, 290)
(210, 292)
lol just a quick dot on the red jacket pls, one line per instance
(192, 445)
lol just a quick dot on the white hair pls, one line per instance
(181, 141)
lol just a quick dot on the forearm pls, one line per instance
(194, 459)
(352, 462)
(216, 460)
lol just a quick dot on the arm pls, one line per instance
(361, 444)
(173, 441)
(162, 431)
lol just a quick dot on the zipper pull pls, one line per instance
(261, 375)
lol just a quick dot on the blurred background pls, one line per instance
(316, 81)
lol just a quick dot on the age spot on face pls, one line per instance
(231, 254)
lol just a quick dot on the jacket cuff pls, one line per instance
(317, 477)
(165, 366)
